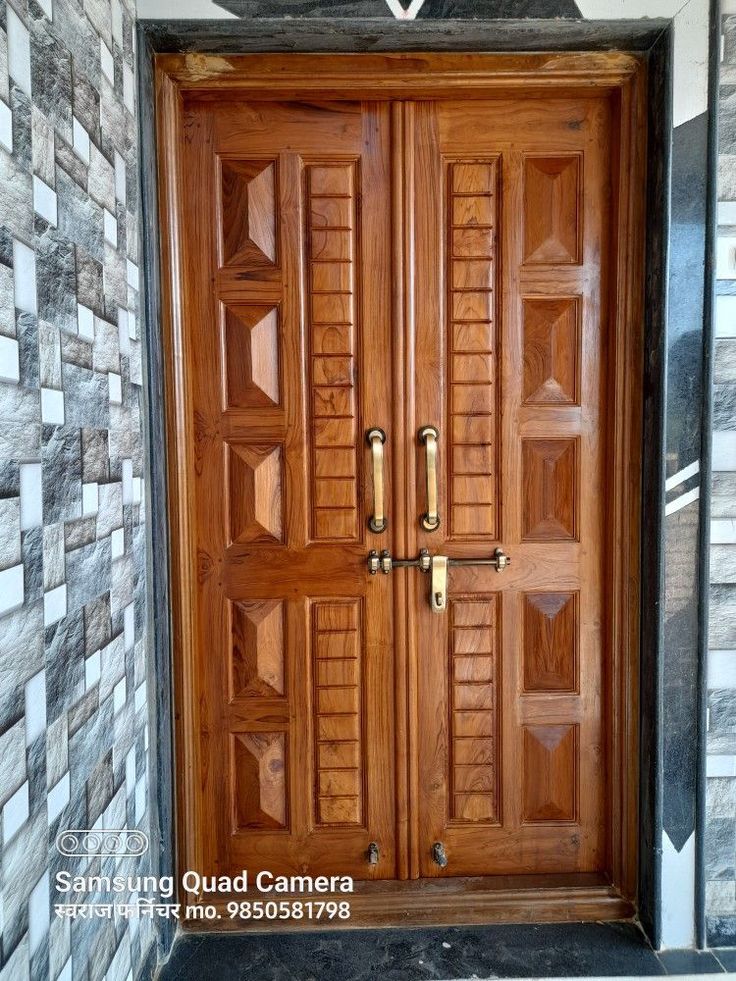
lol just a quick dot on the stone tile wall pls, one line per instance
(721, 799)
(73, 707)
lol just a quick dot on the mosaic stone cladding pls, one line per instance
(73, 705)
(721, 763)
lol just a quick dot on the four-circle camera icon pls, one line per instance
(83, 842)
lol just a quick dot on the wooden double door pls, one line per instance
(394, 265)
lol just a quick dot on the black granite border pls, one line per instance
(701, 931)
(651, 37)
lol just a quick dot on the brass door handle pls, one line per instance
(430, 520)
(376, 438)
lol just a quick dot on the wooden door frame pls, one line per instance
(422, 76)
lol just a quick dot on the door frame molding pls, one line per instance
(174, 576)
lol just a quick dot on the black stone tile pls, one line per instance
(548, 950)
(22, 128)
(26, 330)
(6, 247)
(56, 279)
(61, 456)
(721, 931)
(727, 957)
(64, 655)
(690, 962)
(305, 8)
(51, 79)
(31, 546)
(720, 848)
(493, 9)
(90, 289)
(9, 478)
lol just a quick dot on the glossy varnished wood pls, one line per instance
(353, 262)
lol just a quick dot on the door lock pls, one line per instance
(437, 565)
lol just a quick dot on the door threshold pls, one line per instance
(468, 901)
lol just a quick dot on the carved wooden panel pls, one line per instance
(259, 780)
(252, 356)
(255, 482)
(337, 667)
(473, 442)
(258, 648)
(248, 213)
(473, 776)
(550, 772)
(551, 350)
(331, 253)
(550, 641)
(552, 210)
(549, 489)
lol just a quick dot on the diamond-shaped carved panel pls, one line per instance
(252, 356)
(550, 641)
(249, 213)
(549, 489)
(259, 762)
(258, 648)
(550, 773)
(255, 491)
(552, 209)
(551, 346)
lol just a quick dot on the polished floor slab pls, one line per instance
(442, 953)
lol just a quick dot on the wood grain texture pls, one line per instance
(371, 264)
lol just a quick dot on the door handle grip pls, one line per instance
(430, 520)
(376, 438)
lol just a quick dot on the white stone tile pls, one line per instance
(140, 696)
(727, 212)
(58, 798)
(66, 972)
(121, 191)
(111, 227)
(44, 201)
(19, 51)
(119, 693)
(130, 771)
(725, 319)
(117, 22)
(140, 799)
(92, 669)
(132, 274)
(117, 543)
(31, 496)
(12, 589)
(85, 322)
(38, 914)
(723, 531)
(137, 490)
(9, 360)
(52, 407)
(127, 481)
(724, 450)
(6, 127)
(80, 137)
(35, 702)
(15, 812)
(722, 669)
(47, 7)
(90, 498)
(719, 765)
(132, 328)
(726, 257)
(54, 605)
(24, 276)
(123, 336)
(128, 88)
(129, 626)
(107, 62)
(115, 386)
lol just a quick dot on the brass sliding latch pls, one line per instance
(437, 565)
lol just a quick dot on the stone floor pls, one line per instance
(446, 953)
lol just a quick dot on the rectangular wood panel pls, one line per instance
(331, 239)
(550, 773)
(473, 709)
(338, 712)
(472, 202)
